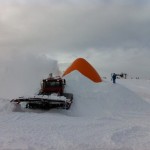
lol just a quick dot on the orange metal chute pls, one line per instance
(84, 68)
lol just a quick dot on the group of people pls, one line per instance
(114, 76)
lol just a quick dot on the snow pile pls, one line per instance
(102, 99)
(103, 116)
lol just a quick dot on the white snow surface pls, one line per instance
(103, 116)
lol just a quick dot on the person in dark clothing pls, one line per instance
(114, 76)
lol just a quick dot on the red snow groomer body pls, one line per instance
(52, 85)
(51, 95)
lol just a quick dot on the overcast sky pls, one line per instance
(113, 35)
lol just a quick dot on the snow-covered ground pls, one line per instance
(103, 116)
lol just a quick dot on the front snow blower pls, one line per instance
(50, 96)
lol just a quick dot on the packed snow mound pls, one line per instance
(94, 99)
(102, 129)
(102, 99)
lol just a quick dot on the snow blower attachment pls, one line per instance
(51, 95)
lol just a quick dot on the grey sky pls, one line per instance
(112, 35)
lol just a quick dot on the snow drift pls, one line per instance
(102, 99)
(97, 99)
(117, 119)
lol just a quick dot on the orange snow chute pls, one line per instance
(84, 68)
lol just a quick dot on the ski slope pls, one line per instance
(103, 116)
